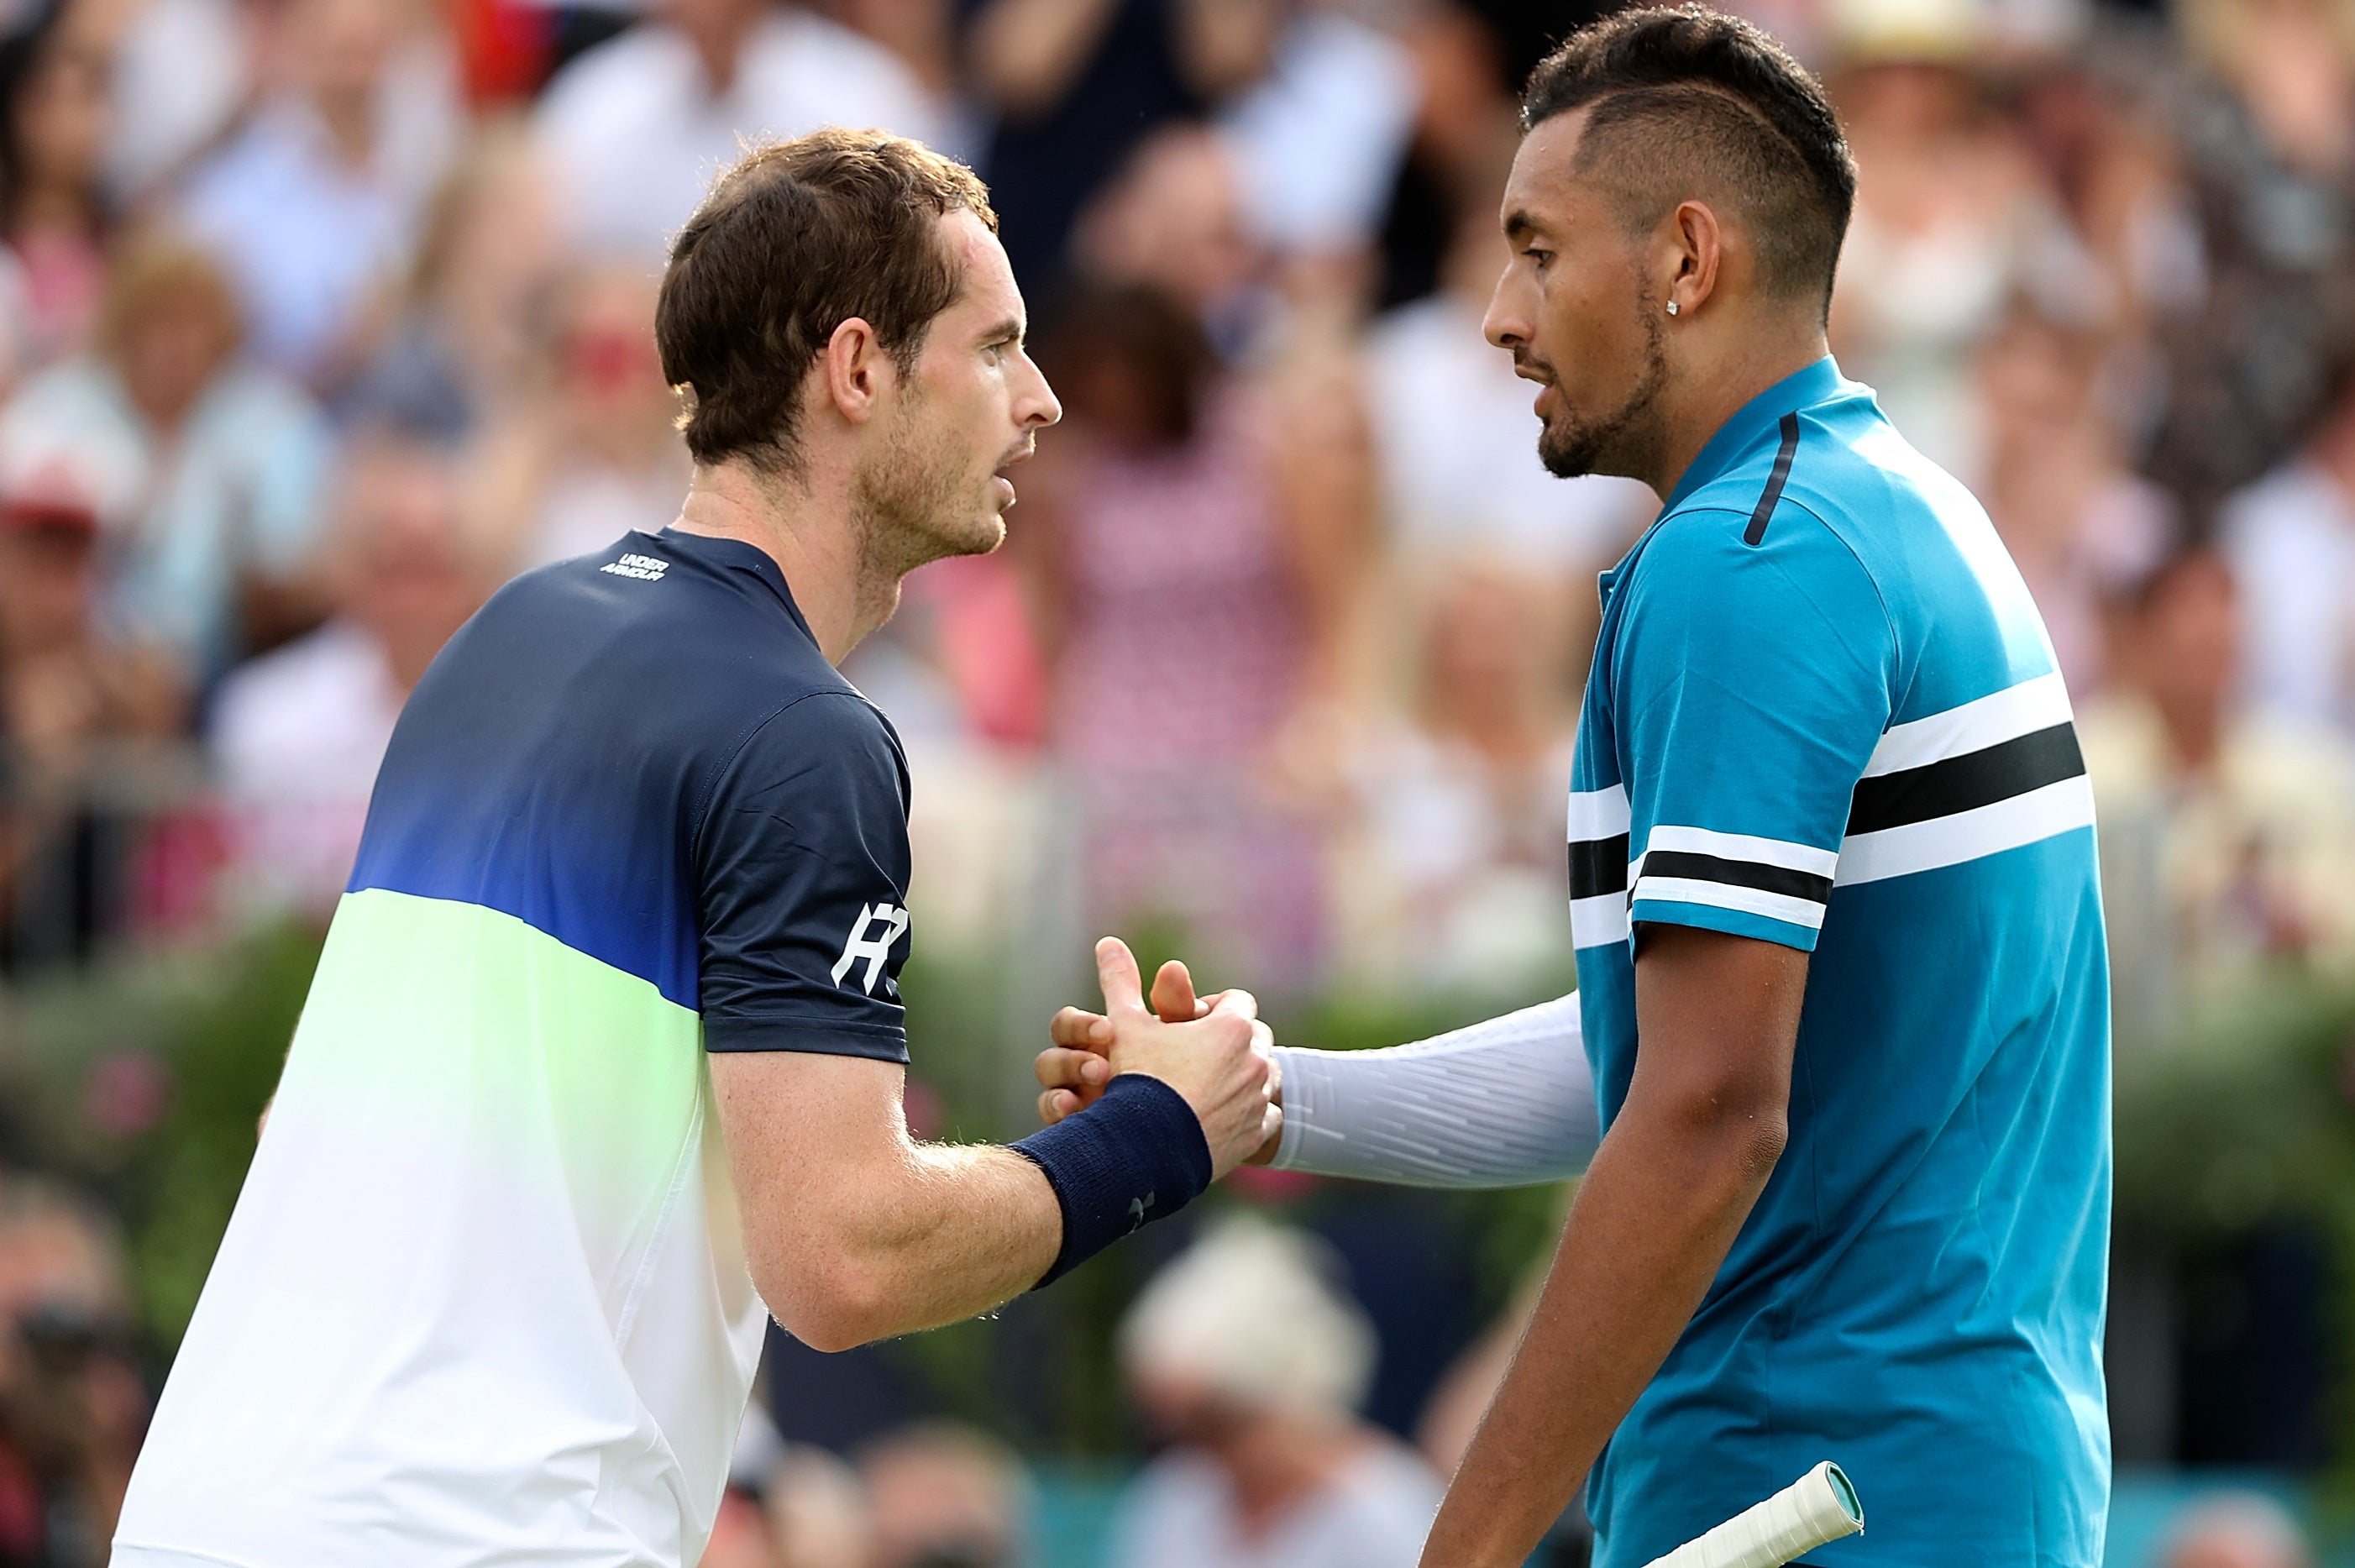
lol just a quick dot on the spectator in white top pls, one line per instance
(2291, 539)
(1254, 1362)
(635, 129)
(209, 467)
(298, 733)
(315, 207)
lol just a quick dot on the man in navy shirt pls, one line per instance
(605, 1051)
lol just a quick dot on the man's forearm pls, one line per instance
(1659, 1208)
(950, 1231)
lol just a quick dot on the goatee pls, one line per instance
(1571, 447)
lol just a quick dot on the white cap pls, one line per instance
(1250, 1310)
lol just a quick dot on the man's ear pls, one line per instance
(854, 372)
(1692, 243)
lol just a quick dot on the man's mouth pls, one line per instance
(1019, 454)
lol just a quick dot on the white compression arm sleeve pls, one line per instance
(1508, 1103)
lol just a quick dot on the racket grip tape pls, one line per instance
(1820, 1507)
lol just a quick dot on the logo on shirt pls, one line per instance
(645, 567)
(887, 922)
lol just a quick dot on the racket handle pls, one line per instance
(1820, 1507)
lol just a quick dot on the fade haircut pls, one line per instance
(1686, 100)
(795, 238)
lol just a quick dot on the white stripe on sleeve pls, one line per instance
(1600, 920)
(1737, 847)
(1808, 913)
(2032, 705)
(1598, 813)
(1967, 834)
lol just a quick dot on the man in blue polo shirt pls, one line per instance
(1839, 946)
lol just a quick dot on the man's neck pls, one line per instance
(812, 541)
(1712, 390)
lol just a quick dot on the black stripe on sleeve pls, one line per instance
(1598, 865)
(1968, 782)
(1765, 507)
(1698, 868)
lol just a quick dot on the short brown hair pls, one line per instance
(794, 240)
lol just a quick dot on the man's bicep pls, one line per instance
(1717, 1015)
(798, 1121)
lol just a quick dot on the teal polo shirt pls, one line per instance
(1824, 713)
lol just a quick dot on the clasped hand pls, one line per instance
(1213, 1050)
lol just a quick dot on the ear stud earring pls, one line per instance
(1672, 308)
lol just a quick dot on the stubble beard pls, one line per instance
(1571, 447)
(915, 503)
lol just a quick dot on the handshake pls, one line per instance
(1212, 1051)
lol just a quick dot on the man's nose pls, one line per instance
(1504, 324)
(1502, 327)
(1042, 408)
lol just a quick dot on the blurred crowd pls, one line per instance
(319, 319)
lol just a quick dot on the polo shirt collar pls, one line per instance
(1820, 382)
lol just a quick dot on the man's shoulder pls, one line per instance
(1843, 497)
(1753, 515)
(651, 643)
(824, 737)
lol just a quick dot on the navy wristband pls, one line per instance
(1137, 1153)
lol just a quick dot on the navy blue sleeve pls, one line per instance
(801, 866)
